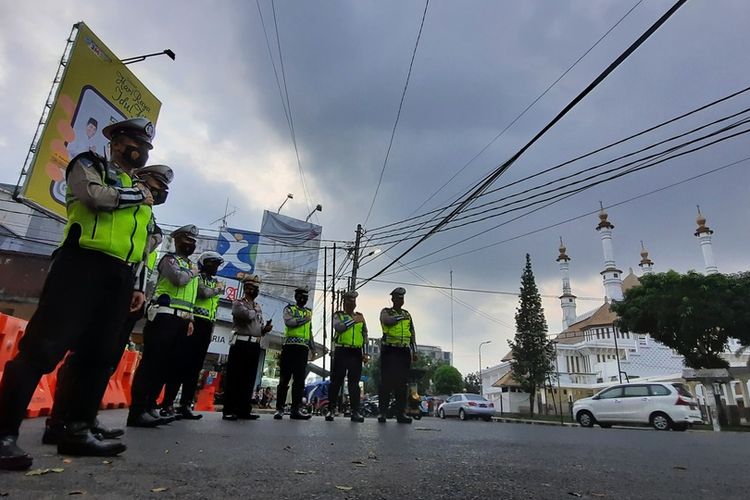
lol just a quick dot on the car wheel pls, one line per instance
(661, 421)
(462, 414)
(585, 418)
(441, 413)
(681, 427)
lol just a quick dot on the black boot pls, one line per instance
(79, 441)
(161, 418)
(143, 419)
(329, 414)
(402, 418)
(11, 456)
(381, 418)
(278, 415)
(169, 413)
(53, 431)
(186, 413)
(357, 417)
(297, 414)
(105, 432)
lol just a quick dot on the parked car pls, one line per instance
(662, 405)
(466, 406)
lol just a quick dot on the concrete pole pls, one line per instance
(711, 404)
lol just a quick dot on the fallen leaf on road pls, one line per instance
(546, 484)
(344, 488)
(159, 489)
(574, 494)
(426, 429)
(680, 467)
(107, 462)
(304, 472)
(166, 452)
(67, 461)
(56, 469)
(598, 494)
(76, 492)
(358, 463)
(39, 472)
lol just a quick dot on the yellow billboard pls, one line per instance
(96, 89)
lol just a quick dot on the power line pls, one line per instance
(528, 107)
(493, 176)
(398, 114)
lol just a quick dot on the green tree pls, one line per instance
(471, 383)
(533, 353)
(372, 371)
(692, 313)
(447, 380)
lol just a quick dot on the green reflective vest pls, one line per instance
(121, 233)
(206, 307)
(352, 336)
(400, 333)
(303, 332)
(180, 297)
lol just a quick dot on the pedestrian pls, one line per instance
(350, 341)
(298, 345)
(87, 293)
(157, 178)
(170, 320)
(244, 352)
(399, 348)
(192, 349)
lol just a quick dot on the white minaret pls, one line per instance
(567, 299)
(646, 263)
(611, 275)
(704, 236)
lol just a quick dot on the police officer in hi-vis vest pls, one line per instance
(350, 341)
(399, 347)
(298, 344)
(157, 178)
(192, 350)
(170, 320)
(245, 349)
(87, 293)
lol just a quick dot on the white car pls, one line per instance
(466, 406)
(662, 405)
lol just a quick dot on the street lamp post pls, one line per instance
(289, 196)
(481, 384)
(318, 208)
(135, 59)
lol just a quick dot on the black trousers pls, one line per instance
(242, 367)
(293, 366)
(161, 340)
(346, 360)
(191, 353)
(394, 371)
(65, 384)
(83, 305)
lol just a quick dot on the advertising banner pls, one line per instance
(238, 248)
(96, 89)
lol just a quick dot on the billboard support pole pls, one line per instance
(355, 258)
(51, 98)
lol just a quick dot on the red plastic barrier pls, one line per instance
(11, 331)
(41, 401)
(205, 400)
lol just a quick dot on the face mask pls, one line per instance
(252, 293)
(159, 196)
(189, 248)
(136, 156)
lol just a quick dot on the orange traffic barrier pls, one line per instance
(126, 371)
(205, 400)
(41, 401)
(11, 331)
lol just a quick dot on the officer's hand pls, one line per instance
(148, 197)
(137, 300)
(190, 329)
(194, 269)
(358, 318)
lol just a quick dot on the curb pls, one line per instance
(533, 422)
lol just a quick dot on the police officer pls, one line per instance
(399, 347)
(298, 344)
(244, 352)
(86, 295)
(157, 178)
(170, 320)
(349, 339)
(193, 349)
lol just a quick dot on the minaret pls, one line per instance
(567, 299)
(646, 263)
(704, 236)
(611, 275)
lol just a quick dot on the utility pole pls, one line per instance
(453, 353)
(325, 321)
(355, 258)
(333, 291)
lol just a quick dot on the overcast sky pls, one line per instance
(479, 64)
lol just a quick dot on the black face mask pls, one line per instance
(159, 196)
(136, 156)
(252, 293)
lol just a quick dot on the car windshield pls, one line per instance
(682, 391)
(474, 397)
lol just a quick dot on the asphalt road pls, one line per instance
(431, 459)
